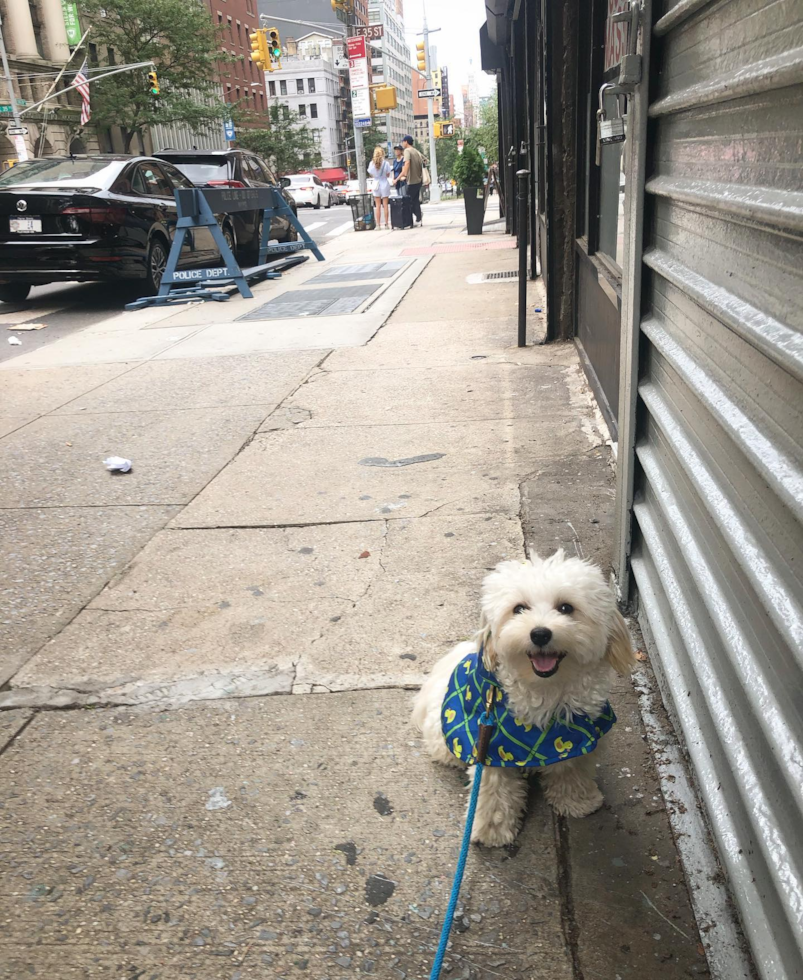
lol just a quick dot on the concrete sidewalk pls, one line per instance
(313, 505)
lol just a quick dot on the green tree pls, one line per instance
(290, 144)
(180, 37)
(487, 133)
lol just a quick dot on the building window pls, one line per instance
(299, 86)
(272, 88)
(313, 110)
(282, 86)
(311, 86)
(285, 112)
(302, 110)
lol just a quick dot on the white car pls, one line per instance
(309, 191)
(352, 188)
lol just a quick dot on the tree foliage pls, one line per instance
(290, 144)
(487, 133)
(180, 37)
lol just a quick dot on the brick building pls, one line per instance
(240, 81)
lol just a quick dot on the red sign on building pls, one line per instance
(615, 35)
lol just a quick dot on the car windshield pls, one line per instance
(202, 171)
(70, 173)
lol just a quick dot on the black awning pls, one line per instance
(491, 55)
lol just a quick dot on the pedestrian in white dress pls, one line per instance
(381, 171)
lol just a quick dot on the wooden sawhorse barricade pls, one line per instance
(197, 207)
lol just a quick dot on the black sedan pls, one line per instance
(93, 218)
(237, 168)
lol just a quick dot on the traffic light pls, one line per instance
(341, 6)
(421, 55)
(259, 50)
(437, 130)
(274, 47)
(153, 82)
(385, 98)
(447, 129)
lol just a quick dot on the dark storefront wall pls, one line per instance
(599, 242)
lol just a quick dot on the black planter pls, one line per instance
(475, 209)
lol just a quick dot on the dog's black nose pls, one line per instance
(541, 636)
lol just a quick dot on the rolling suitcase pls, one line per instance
(401, 212)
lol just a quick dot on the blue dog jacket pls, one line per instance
(512, 743)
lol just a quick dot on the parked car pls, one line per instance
(236, 168)
(309, 191)
(93, 218)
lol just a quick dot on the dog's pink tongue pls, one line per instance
(544, 661)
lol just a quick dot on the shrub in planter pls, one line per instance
(469, 172)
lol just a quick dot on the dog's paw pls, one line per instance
(497, 835)
(578, 805)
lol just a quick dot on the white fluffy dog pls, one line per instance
(552, 637)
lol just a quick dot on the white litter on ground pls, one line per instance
(116, 464)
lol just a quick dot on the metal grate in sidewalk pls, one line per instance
(460, 247)
(312, 302)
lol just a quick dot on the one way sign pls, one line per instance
(429, 93)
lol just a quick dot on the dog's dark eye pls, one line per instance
(566, 608)
(519, 609)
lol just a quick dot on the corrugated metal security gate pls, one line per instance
(711, 492)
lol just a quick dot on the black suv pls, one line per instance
(236, 168)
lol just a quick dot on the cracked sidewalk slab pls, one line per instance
(57, 461)
(236, 613)
(474, 390)
(314, 475)
(227, 840)
(55, 560)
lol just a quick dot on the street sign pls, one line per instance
(373, 32)
(429, 93)
(228, 130)
(5, 107)
(17, 130)
(359, 81)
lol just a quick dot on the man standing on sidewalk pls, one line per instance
(413, 173)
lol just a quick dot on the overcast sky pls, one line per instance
(457, 41)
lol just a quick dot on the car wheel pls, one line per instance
(318, 203)
(228, 237)
(14, 292)
(156, 265)
(328, 202)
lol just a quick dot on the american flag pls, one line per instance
(82, 85)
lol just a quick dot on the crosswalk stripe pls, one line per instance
(340, 229)
(314, 225)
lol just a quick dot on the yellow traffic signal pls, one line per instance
(385, 98)
(437, 129)
(259, 50)
(275, 45)
(421, 55)
(341, 6)
(153, 83)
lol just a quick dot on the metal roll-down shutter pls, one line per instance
(717, 536)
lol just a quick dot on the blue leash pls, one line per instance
(448, 919)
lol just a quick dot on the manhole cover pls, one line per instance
(312, 302)
(355, 273)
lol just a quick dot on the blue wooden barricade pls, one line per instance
(197, 207)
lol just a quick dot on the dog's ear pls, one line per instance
(486, 640)
(619, 653)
